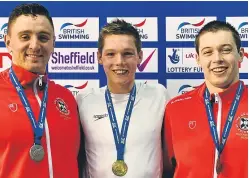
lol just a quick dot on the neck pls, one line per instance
(37, 70)
(217, 89)
(119, 88)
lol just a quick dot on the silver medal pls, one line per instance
(37, 153)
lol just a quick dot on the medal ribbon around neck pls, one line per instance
(220, 146)
(120, 138)
(38, 127)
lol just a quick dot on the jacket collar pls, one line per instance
(226, 96)
(25, 77)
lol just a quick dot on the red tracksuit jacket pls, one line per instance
(189, 138)
(60, 139)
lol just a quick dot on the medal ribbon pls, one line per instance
(38, 127)
(120, 138)
(220, 146)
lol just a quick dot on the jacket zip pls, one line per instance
(218, 126)
(50, 163)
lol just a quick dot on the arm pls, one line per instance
(82, 159)
(168, 154)
(82, 162)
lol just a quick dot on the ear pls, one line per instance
(99, 56)
(7, 43)
(53, 43)
(197, 58)
(140, 57)
(241, 54)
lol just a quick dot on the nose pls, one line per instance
(34, 44)
(119, 59)
(218, 57)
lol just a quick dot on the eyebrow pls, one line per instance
(226, 45)
(123, 49)
(28, 31)
(129, 49)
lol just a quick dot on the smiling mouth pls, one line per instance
(120, 71)
(34, 56)
(219, 70)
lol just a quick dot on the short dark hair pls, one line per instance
(215, 26)
(119, 27)
(33, 9)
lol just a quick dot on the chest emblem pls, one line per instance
(192, 124)
(13, 107)
(242, 126)
(61, 106)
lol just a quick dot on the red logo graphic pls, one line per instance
(2, 54)
(140, 24)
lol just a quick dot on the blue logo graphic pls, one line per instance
(183, 87)
(242, 24)
(174, 58)
(4, 25)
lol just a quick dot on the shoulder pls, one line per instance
(152, 89)
(58, 87)
(62, 91)
(185, 99)
(245, 92)
(245, 88)
(90, 94)
(4, 76)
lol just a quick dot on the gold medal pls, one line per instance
(119, 168)
(218, 166)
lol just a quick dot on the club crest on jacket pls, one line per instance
(61, 106)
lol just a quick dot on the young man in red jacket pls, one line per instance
(39, 126)
(206, 129)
